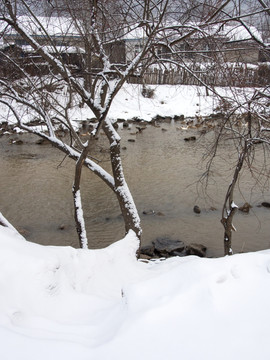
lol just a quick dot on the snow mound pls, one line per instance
(65, 303)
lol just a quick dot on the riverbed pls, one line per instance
(163, 172)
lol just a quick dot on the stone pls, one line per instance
(197, 209)
(179, 253)
(144, 258)
(157, 118)
(131, 140)
(152, 212)
(266, 204)
(190, 138)
(42, 142)
(147, 250)
(148, 212)
(140, 129)
(16, 141)
(165, 246)
(160, 118)
(179, 118)
(137, 119)
(196, 249)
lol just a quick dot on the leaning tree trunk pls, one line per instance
(125, 199)
(78, 211)
(229, 207)
(228, 228)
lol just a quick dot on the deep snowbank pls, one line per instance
(63, 303)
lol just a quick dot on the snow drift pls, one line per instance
(65, 303)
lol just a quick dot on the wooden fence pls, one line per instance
(240, 76)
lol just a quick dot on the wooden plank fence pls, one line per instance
(240, 76)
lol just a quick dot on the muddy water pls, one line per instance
(162, 171)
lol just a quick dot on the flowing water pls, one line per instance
(162, 171)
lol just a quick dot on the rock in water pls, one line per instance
(196, 249)
(190, 138)
(166, 246)
(197, 209)
(148, 250)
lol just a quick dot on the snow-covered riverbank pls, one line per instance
(166, 101)
(63, 303)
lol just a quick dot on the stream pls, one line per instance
(163, 172)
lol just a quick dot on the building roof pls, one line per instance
(235, 32)
(54, 26)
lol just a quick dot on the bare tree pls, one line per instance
(246, 117)
(103, 74)
(95, 73)
(245, 131)
(104, 86)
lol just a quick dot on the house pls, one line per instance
(234, 43)
(56, 35)
(135, 38)
(60, 36)
(240, 45)
(60, 30)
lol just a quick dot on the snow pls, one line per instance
(80, 217)
(168, 100)
(65, 303)
(236, 32)
(233, 205)
(135, 33)
(54, 49)
(240, 33)
(54, 26)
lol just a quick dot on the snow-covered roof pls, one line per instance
(135, 33)
(59, 49)
(236, 32)
(54, 26)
